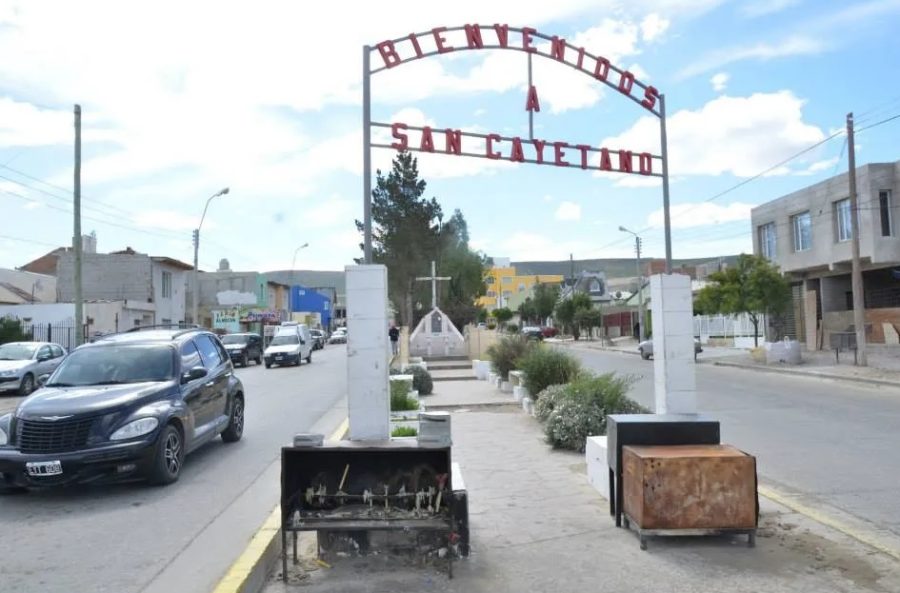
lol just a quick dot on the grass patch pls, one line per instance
(404, 431)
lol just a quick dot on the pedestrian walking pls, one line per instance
(394, 334)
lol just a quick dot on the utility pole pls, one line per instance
(859, 302)
(637, 247)
(76, 240)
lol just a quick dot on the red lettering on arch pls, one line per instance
(517, 154)
(454, 141)
(415, 43)
(559, 155)
(584, 148)
(580, 62)
(489, 151)
(650, 97)
(625, 164)
(388, 53)
(539, 149)
(605, 163)
(645, 163)
(426, 144)
(440, 40)
(502, 35)
(601, 69)
(473, 36)
(399, 135)
(532, 103)
(558, 48)
(527, 32)
(626, 81)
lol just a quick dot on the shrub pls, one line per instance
(506, 353)
(545, 366)
(404, 431)
(512, 328)
(580, 410)
(422, 381)
(400, 400)
(548, 399)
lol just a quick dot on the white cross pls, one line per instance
(434, 280)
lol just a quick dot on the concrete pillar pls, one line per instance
(673, 344)
(404, 347)
(810, 321)
(368, 349)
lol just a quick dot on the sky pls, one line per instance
(182, 99)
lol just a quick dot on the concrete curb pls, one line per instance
(813, 374)
(250, 571)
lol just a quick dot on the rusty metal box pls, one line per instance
(689, 487)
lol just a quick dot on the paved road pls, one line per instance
(134, 538)
(827, 442)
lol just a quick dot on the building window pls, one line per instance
(843, 223)
(507, 294)
(491, 294)
(167, 285)
(505, 280)
(489, 280)
(167, 322)
(884, 204)
(802, 225)
(767, 240)
(522, 287)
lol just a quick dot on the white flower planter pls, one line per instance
(520, 392)
(528, 405)
(492, 377)
(506, 387)
(483, 370)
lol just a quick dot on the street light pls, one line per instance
(195, 291)
(637, 248)
(291, 290)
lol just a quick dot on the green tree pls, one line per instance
(465, 269)
(405, 233)
(527, 311)
(589, 319)
(11, 330)
(567, 309)
(753, 286)
(502, 315)
(545, 298)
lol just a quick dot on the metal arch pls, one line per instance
(536, 35)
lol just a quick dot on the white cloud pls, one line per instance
(526, 246)
(653, 26)
(548, 198)
(719, 81)
(24, 124)
(757, 8)
(689, 215)
(737, 135)
(568, 211)
(170, 220)
(818, 166)
(797, 45)
(331, 212)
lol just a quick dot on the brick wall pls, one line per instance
(106, 277)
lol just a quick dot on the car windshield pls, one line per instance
(110, 365)
(235, 339)
(285, 340)
(17, 351)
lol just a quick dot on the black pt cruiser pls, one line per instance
(128, 406)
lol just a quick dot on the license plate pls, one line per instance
(43, 468)
(279, 358)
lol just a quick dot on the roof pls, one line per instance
(45, 264)
(175, 263)
(150, 335)
(13, 295)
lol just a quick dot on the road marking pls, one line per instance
(866, 537)
(261, 544)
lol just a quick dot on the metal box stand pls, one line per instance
(690, 490)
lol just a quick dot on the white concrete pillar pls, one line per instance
(368, 397)
(673, 344)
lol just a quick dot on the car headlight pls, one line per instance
(7, 373)
(4, 439)
(137, 428)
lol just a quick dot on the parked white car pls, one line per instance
(646, 348)
(339, 336)
(292, 344)
(23, 363)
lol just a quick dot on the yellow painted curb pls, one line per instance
(261, 544)
(866, 537)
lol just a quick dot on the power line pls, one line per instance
(23, 240)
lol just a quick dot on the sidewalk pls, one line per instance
(538, 526)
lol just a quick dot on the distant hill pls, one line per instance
(614, 267)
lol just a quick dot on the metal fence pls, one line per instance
(737, 328)
(60, 333)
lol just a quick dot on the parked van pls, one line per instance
(291, 344)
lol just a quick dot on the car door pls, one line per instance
(217, 362)
(58, 354)
(43, 361)
(193, 391)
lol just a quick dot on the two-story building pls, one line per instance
(808, 234)
(506, 288)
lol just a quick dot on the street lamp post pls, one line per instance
(195, 292)
(637, 248)
(291, 292)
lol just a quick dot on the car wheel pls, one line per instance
(27, 385)
(268, 365)
(309, 358)
(245, 360)
(259, 359)
(235, 428)
(169, 456)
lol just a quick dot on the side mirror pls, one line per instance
(44, 357)
(43, 378)
(194, 374)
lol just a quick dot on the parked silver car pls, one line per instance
(646, 348)
(23, 363)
